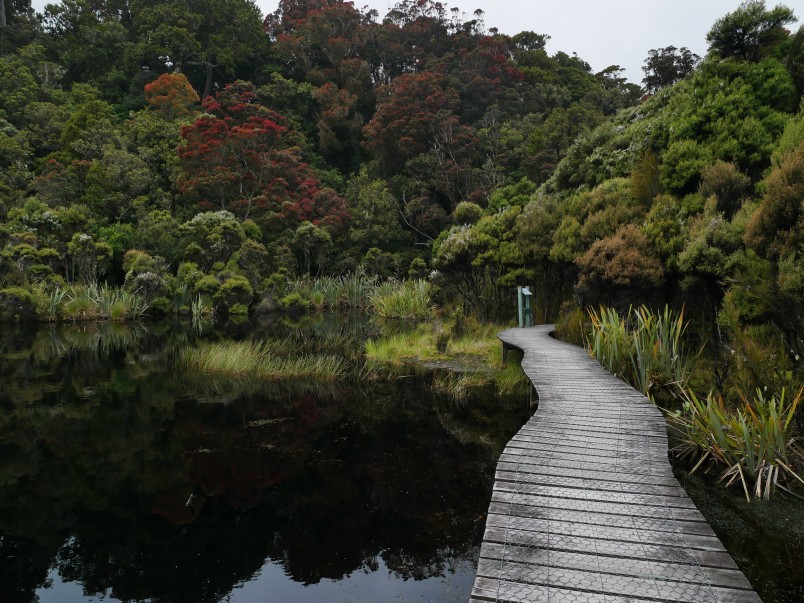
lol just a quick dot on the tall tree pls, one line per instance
(214, 38)
(240, 156)
(18, 24)
(750, 31)
(665, 66)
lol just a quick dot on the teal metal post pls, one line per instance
(520, 309)
(526, 295)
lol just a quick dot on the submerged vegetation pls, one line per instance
(469, 365)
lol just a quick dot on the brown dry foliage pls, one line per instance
(624, 259)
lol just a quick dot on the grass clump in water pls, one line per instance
(477, 342)
(261, 360)
(470, 363)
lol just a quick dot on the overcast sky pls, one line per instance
(602, 32)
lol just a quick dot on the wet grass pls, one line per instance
(467, 364)
(261, 360)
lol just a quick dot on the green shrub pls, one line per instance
(207, 286)
(17, 303)
(418, 269)
(294, 303)
(466, 212)
(189, 274)
(160, 306)
(238, 310)
(234, 290)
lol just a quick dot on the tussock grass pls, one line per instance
(408, 300)
(391, 299)
(419, 345)
(511, 380)
(260, 360)
(461, 386)
(752, 445)
(222, 388)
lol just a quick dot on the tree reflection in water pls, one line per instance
(139, 483)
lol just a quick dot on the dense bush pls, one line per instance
(17, 304)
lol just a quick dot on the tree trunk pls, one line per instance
(208, 84)
(2, 26)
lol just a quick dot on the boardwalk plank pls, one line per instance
(585, 507)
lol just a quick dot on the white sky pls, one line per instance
(602, 32)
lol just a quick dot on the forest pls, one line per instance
(162, 158)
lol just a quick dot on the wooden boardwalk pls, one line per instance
(585, 506)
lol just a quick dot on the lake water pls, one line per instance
(123, 478)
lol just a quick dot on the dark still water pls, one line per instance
(123, 479)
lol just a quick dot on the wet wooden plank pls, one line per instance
(585, 506)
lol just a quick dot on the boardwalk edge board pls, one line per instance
(585, 507)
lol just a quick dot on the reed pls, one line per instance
(260, 360)
(752, 445)
(356, 289)
(511, 380)
(347, 291)
(408, 300)
(462, 386)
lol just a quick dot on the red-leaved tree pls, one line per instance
(239, 156)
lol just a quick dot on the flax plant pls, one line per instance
(753, 446)
(644, 348)
(659, 358)
(609, 341)
(54, 300)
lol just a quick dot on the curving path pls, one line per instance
(585, 507)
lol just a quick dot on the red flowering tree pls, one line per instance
(239, 156)
(171, 95)
(409, 111)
